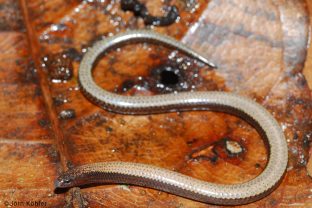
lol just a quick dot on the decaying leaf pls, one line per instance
(48, 125)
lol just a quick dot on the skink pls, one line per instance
(166, 180)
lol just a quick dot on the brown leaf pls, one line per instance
(49, 126)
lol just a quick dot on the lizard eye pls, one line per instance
(66, 180)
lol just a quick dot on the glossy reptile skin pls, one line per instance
(166, 180)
